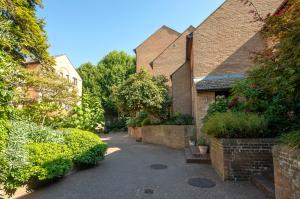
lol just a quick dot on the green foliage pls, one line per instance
(56, 95)
(22, 33)
(291, 139)
(33, 153)
(236, 125)
(179, 119)
(140, 92)
(119, 124)
(142, 119)
(111, 71)
(220, 105)
(3, 140)
(272, 87)
(87, 148)
(48, 160)
(88, 115)
(202, 141)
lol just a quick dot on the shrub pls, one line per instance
(236, 125)
(19, 159)
(87, 115)
(291, 139)
(37, 134)
(117, 125)
(48, 160)
(142, 119)
(220, 105)
(87, 148)
(179, 119)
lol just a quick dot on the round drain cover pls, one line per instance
(201, 182)
(148, 191)
(158, 166)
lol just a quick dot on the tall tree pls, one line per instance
(111, 71)
(21, 32)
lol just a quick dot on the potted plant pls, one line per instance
(192, 140)
(203, 147)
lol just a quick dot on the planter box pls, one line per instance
(286, 172)
(135, 132)
(239, 159)
(173, 136)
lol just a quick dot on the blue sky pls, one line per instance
(86, 30)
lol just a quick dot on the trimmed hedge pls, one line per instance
(87, 148)
(30, 153)
(49, 160)
(236, 125)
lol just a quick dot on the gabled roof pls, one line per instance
(216, 83)
(190, 29)
(163, 27)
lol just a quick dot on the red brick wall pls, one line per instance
(153, 46)
(223, 44)
(173, 57)
(181, 90)
(239, 159)
(286, 172)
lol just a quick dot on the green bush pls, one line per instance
(117, 125)
(219, 106)
(87, 148)
(48, 160)
(142, 119)
(291, 139)
(179, 119)
(236, 125)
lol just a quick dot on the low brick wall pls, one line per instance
(239, 159)
(286, 172)
(135, 132)
(173, 136)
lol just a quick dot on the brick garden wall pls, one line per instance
(173, 136)
(286, 172)
(239, 159)
(135, 132)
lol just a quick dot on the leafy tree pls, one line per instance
(272, 87)
(100, 80)
(22, 33)
(141, 92)
(55, 96)
(88, 115)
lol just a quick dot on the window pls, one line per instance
(61, 74)
(74, 81)
(222, 93)
(68, 77)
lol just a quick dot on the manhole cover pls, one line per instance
(201, 182)
(158, 166)
(148, 191)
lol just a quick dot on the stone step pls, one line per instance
(269, 175)
(192, 156)
(265, 185)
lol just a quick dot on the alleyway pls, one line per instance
(127, 174)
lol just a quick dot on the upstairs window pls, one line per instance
(74, 81)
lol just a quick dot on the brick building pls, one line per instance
(64, 68)
(203, 62)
